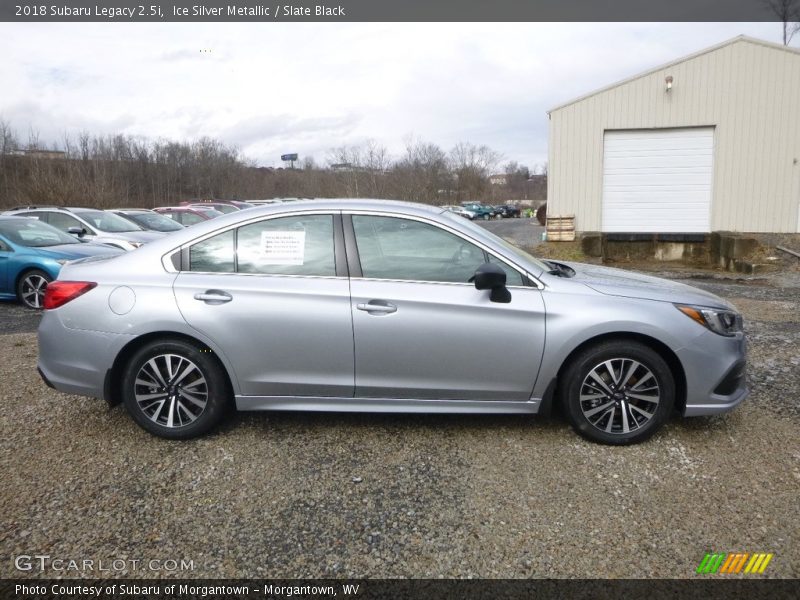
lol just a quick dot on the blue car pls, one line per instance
(31, 255)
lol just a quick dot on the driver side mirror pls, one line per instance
(490, 276)
(79, 231)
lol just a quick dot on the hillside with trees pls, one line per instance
(123, 170)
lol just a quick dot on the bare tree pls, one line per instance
(471, 166)
(788, 11)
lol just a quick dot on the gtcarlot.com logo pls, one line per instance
(734, 563)
(45, 562)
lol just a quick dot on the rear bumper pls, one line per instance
(75, 361)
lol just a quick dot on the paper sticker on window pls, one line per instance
(283, 247)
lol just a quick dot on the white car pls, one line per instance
(460, 211)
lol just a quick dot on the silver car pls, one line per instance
(367, 305)
(91, 224)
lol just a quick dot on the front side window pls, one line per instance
(394, 248)
(64, 222)
(297, 245)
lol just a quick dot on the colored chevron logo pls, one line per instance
(734, 563)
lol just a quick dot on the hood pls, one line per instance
(75, 251)
(628, 284)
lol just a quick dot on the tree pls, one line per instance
(788, 11)
(471, 166)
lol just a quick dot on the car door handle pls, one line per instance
(373, 307)
(213, 296)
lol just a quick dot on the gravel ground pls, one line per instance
(313, 495)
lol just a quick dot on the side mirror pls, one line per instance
(490, 276)
(79, 231)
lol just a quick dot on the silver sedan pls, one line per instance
(366, 305)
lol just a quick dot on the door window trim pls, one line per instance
(354, 260)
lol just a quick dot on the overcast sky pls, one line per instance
(300, 87)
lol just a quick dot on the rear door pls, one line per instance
(274, 296)
(422, 331)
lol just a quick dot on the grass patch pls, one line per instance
(569, 251)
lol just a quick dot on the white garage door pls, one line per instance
(658, 180)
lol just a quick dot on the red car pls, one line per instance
(188, 215)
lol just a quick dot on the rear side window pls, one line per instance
(213, 255)
(188, 218)
(301, 245)
(298, 245)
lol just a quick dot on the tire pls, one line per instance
(194, 402)
(31, 287)
(608, 412)
(486, 217)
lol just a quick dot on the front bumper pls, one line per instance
(715, 368)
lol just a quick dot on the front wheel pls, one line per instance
(175, 390)
(618, 392)
(31, 288)
(486, 217)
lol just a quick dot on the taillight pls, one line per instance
(58, 293)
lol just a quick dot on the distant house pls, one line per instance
(48, 154)
(705, 143)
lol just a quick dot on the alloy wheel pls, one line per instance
(171, 390)
(619, 396)
(32, 290)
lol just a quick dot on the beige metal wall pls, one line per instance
(750, 93)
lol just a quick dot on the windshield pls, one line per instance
(33, 233)
(513, 250)
(107, 222)
(154, 221)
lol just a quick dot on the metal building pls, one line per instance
(709, 142)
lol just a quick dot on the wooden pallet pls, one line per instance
(560, 228)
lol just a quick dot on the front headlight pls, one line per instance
(62, 261)
(723, 322)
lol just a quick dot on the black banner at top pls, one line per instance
(384, 10)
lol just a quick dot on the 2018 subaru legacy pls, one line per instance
(348, 305)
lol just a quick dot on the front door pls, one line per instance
(422, 331)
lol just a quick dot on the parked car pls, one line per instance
(350, 305)
(460, 211)
(31, 255)
(223, 206)
(507, 211)
(149, 219)
(275, 201)
(91, 224)
(481, 211)
(188, 215)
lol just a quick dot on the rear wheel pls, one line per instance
(618, 392)
(174, 390)
(31, 287)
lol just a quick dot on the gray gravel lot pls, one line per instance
(313, 495)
